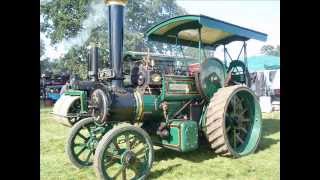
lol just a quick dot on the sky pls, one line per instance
(259, 15)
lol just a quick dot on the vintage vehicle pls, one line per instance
(72, 104)
(165, 104)
(53, 92)
(50, 86)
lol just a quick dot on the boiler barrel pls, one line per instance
(123, 107)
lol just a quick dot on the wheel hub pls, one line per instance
(92, 143)
(235, 121)
(128, 158)
(238, 120)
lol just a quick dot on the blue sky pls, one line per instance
(263, 16)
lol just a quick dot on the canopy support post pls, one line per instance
(245, 53)
(204, 53)
(181, 49)
(240, 52)
(228, 54)
(225, 55)
(199, 45)
(176, 54)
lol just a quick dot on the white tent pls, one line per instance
(276, 81)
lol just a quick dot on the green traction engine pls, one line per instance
(114, 124)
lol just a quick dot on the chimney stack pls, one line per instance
(116, 18)
(93, 62)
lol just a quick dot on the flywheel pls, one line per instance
(210, 78)
(233, 121)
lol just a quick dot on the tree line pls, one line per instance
(63, 19)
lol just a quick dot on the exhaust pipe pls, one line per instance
(93, 62)
(116, 17)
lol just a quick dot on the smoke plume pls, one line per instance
(95, 18)
(42, 2)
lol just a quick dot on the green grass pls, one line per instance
(168, 164)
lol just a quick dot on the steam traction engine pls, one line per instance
(114, 126)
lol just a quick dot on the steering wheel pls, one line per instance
(238, 74)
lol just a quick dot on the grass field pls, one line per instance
(168, 164)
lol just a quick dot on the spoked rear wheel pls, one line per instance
(124, 153)
(83, 140)
(233, 125)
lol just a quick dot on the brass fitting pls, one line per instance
(117, 2)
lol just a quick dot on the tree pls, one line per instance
(63, 20)
(75, 63)
(271, 50)
(141, 15)
(41, 47)
(44, 65)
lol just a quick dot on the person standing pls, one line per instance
(43, 87)
(64, 88)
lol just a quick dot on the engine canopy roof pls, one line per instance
(184, 30)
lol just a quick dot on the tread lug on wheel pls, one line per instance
(233, 128)
(82, 141)
(124, 153)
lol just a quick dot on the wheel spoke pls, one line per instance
(81, 151)
(245, 119)
(136, 167)
(89, 130)
(110, 163)
(113, 155)
(228, 129)
(241, 102)
(82, 136)
(77, 144)
(116, 145)
(119, 172)
(228, 117)
(234, 138)
(233, 103)
(243, 129)
(236, 99)
(243, 111)
(124, 177)
(238, 137)
(88, 156)
(126, 136)
(237, 105)
(140, 151)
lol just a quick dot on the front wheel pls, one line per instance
(82, 141)
(124, 153)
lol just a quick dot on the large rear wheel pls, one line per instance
(233, 123)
